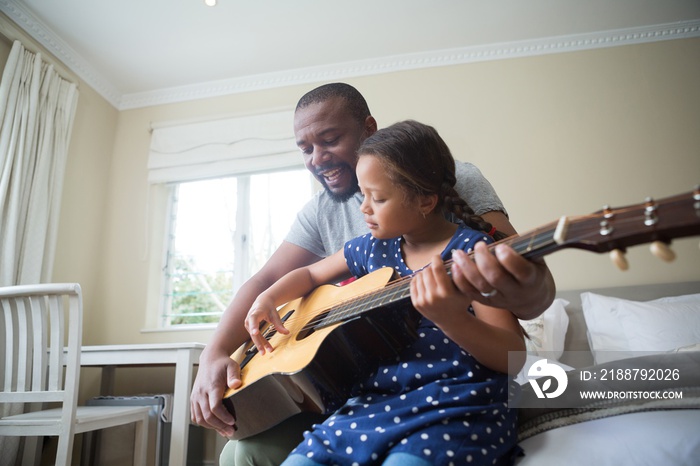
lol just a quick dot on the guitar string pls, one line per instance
(532, 241)
(350, 308)
(400, 288)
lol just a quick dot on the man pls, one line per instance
(330, 123)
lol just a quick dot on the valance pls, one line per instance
(223, 147)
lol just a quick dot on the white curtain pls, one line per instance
(37, 107)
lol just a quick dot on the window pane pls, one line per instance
(202, 252)
(275, 199)
(208, 256)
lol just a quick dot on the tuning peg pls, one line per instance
(618, 258)
(662, 251)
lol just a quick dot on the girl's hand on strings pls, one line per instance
(263, 310)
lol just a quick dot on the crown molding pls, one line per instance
(40, 32)
(456, 56)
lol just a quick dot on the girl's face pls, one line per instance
(387, 212)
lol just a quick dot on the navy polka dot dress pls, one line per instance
(435, 401)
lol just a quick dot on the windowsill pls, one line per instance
(181, 328)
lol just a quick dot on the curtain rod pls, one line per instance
(12, 32)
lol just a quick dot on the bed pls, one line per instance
(591, 331)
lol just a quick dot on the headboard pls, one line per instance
(576, 337)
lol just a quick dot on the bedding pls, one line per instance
(644, 438)
(618, 326)
(569, 408)
(600, 430)
(655, 326)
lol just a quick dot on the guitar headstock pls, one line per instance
(615, 229)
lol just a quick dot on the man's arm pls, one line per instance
(524, 287)
(217, 371)
(500, 221)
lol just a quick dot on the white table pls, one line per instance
(184, 356)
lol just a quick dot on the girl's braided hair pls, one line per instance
(418, 160)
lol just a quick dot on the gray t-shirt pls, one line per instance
(324, 225)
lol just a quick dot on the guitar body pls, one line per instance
(313, 369)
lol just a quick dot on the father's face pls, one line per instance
(329, 137)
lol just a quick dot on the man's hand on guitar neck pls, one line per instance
(505, 280)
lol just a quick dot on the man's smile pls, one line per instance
(332, 174)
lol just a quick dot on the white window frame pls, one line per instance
(246, 251)
(242, 235)
(198, 150)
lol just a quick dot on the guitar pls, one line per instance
(338, 334)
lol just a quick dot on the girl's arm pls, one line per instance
(294, 284)
(488, 335)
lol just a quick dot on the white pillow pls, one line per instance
(547, 332)
(618, 327)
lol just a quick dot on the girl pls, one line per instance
(444, 400)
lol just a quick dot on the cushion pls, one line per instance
(618, 327)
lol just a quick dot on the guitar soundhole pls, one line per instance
(315, 323)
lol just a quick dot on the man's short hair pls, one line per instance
(355, 102)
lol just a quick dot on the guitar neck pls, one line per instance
(615, 228)
(397, 291)
(602, 231)
(532, 245)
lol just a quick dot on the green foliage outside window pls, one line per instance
(197, 297)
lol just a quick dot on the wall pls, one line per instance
(5, 47)
(80, 251)
(555, 134)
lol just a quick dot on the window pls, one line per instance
(221, 231)
(234, 187)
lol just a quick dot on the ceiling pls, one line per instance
(160, 50)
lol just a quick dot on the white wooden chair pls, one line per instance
(38, 370)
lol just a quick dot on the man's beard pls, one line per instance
(345, 195)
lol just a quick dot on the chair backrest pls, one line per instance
(39, 322)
